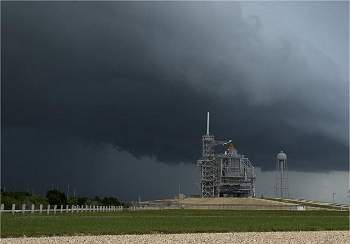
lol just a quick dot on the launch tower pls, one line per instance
(224, 174)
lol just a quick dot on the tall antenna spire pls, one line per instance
(208, 123)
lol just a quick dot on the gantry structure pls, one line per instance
(224, 174)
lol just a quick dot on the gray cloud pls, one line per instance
(104, 169)
(140, 77)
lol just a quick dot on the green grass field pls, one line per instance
(170, 221)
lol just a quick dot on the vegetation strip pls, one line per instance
(171, 221)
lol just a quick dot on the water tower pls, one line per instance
(281, 186)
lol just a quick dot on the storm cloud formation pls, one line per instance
(141, 76)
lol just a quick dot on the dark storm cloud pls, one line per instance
(141, 76)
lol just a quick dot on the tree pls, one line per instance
(81, 201)
(110, 201)
(72, 201)
(37, 199)
(56, 197)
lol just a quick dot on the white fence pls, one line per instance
(60, 209)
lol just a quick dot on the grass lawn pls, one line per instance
(170, 221)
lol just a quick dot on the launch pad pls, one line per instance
(224, 174)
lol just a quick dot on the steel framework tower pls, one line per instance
(207, 164)
(281, 185)
(227, 173)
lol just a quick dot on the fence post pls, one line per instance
(23, 208)
(2, 207)
(13, 208)
(33, 208)
(61, 208)
(48, 208)
(41, 208)
(67, 208)
(54, 209)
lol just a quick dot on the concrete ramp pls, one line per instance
(236, 203)
(221, 203)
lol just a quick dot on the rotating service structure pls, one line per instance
(225, 174)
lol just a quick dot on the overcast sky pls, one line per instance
(106, 96)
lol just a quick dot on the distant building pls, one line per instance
(224, 174)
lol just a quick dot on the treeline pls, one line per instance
(54, 197)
